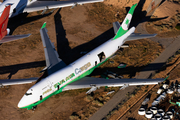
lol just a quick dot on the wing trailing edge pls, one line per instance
(41, 5)
(88, 82)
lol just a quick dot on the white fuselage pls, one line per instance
(46, 86)
(17, 6)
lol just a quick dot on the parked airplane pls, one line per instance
(4, 31)
(20, 6)
(62, 77)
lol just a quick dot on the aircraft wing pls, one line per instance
(134, 36)
(52, 57)
(13, 37)
(16, 81)
(88, 82)
(41, 5)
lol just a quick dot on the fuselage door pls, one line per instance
(101, 56)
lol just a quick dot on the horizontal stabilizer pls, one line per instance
(41, 5)
(116, 26)
(16, 81)
(13, 37)
(136, 36)
(88, 82)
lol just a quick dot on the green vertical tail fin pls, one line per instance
(125, 24)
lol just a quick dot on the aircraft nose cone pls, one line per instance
(22, 103)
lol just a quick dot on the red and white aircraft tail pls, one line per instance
(4, 21)
(4, 30)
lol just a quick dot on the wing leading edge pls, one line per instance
(13, 37)
(51, 55)
(16, 81)
(88, 82)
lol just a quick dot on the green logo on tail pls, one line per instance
(125, 24)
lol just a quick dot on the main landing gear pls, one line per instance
(34, 108)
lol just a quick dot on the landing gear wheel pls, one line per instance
(34, 108)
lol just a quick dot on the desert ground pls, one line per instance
(72, 31)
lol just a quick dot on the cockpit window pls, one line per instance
(28, 94)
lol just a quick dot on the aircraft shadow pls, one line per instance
(13, 69)
(21, 19)
(131, 70)
(69, 55)
(75, 52)
(62, 42)
(140, 16)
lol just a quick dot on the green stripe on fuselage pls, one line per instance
(88, 72)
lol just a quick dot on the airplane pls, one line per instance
(4, 31)
(21, 6)
(62, 77)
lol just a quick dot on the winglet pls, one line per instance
(125, 24)
(166, 78)
(44, 25)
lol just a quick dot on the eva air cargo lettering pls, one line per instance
(62, 77)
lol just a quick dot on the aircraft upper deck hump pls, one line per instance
(4, 21)
(125, 24)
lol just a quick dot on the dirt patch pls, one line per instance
(167, 9)
(100, 11)
(165, 28)
(127, 3)
(165, 20)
